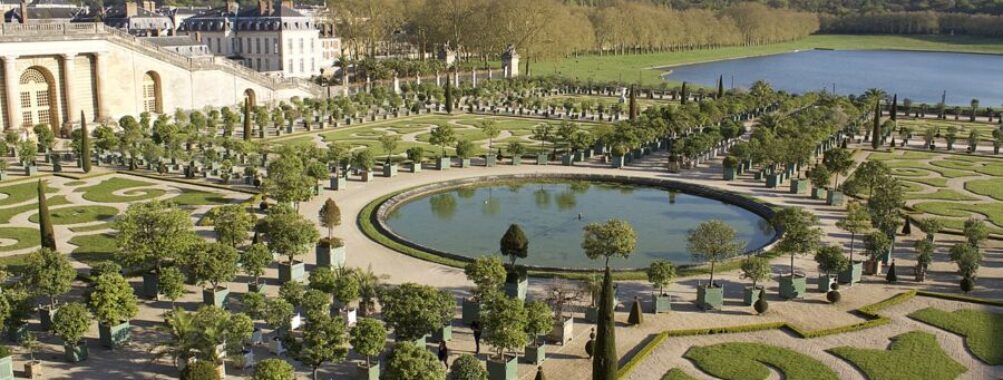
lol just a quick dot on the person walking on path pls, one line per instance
(476, 327)
(444, 354)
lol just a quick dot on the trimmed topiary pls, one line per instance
(967, 284)
(761, 305)
(200, 370)
(636, 314)
(891, 277)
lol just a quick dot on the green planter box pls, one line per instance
(793, 286)
(591, 314)
(330, 257)
(490, 160)
(799, 186)
(443, 334)
(536, 355)
(853, 274)
(503, 370)
(835, 198)
(216, 297)
(772, 180)
(517, 289)
(113, 335)
(416, 167)
(291, 272)
(825, 283)
(390, 170)
(464, 163)
(257, 287)
(366, 176)
(710, 298)
(151, 284)
(471, 311)
(31, 170)
(751, 295)
(729, 174)
(516, 160)
(542, 159)
(443, 163)
(74, 353)
(617, 162)
(421, 342)
(369, 373)
(339, 183)
(819, 193)
(6, 368)
(663, 302)
(45, 316)
(567, 160)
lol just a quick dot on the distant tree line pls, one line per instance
(915, 23)
(837, 7)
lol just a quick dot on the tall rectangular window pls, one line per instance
(301, 46)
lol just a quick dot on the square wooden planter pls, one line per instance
(710, 298)
(506, 369)
(371, 372)
(517, 288)
(792, 287)
(662, 302)
(542, 159)
(617, 162)
(33, 369)
(443, 334)
(6, 368)
(490, 160)
(339, 183)
(825, 283)
(799, 186)
(215, 297)
(819, 193)
(536, 354)
(330, 257)
(853, 274)
(729, 174)
(563, 332)
(750, 295)
(516, 160)
(75, 353)
(45, 316)
(113, 335)
(390, 170)
(443, 163)
(835, 198)
(294, 271)
(151, 285)
(471, 311)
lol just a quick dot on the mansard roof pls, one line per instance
(251, 19)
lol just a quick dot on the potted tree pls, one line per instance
(756, 269)
(560, 294)
(416, 155)
(660, 274)
(277, 314)
(6, 364)
(968, 258)
(539, 319)
(516, 149)
(171, 284)
(113, 303)
(488, 275)
(730, 165)
(253, 262)
(50, 274)
(801, 236)
(290, 234)
(389, 144)
(618, 153)
(213, 264)
(70, 325)
(346, 292)
(413, 311)
(839, 162)
(368, 338)
(443, 136)
(876, 244)
(21, 306)
(713, 241)
(931, 226)
(924, 257)
(363, 160)
(273, 369)
(330, 250)
(830, 260)
(857, 221)
(33, 367)
(514, 244)
(819, 177)
(490, 129)
(504, 324)
(151, 236)
(464, 150)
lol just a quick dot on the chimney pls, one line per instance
(150, 5)
(287, 4)
(24, 11)
(263, 7)
(231, 6)
(131, 9)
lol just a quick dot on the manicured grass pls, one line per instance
(748, 361)
(913, 355)
(104, 192)
(988, 187)
(14, 263)
(992, 211)
(91, 228)
(22, 192)
(198, 198)
(983, 331)
(677, 374)
(7, 213)
(919, 126)
(637, 67)
(941, 194)
(25, 237)
(74, 183)
(93, 248)
(78, 214)
(929, 181)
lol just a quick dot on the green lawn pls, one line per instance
(913, 355)
(15, 263)
(677, 374)
(21, 192)
(964, 127)
(25, 237)
(198, 198)
(749, 361)
(638, 67)
(983, 330)
(92, 227)
(104, 192)
(7, 213)
(992, 211)
(940, 194)
(93, 248)
(78, 214)
(988, 187)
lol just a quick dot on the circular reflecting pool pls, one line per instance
(469, 220)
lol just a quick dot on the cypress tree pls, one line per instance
(85, 145)
(876, 133)
(720, 87)
(44, 221)
(604, 364)
(633, 103)
(895, 107)
(636, 316)
(247, 120)
(683, 94)
(449, 95)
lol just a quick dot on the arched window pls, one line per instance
(151, 93)
(37, 98)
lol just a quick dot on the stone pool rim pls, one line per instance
(392, 201)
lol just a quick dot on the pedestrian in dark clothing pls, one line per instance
(444, 354)
(476, 327)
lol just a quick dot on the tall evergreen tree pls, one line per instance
(683, 94)
(44, 221)
(876, 133)
(247, 120)
(720, 87)
(604, 363)
(449, 95)
(633, 103)
(85, 145)
(895, 107)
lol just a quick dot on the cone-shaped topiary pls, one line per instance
(636, 314)
(876, 132)
(44, 221)
(539, 374)
(761, 306)
(514, 244)
(907, 228)
(967, 284)
(720, 87)
(85, 145)
(247, 120)
(200, 370)
(604, 364)
(895, 107)
(891, 277)
(683, 94)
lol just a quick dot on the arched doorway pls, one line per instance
(249, 98)
(151, 93)
(38, 98)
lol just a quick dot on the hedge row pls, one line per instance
(960, 298)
